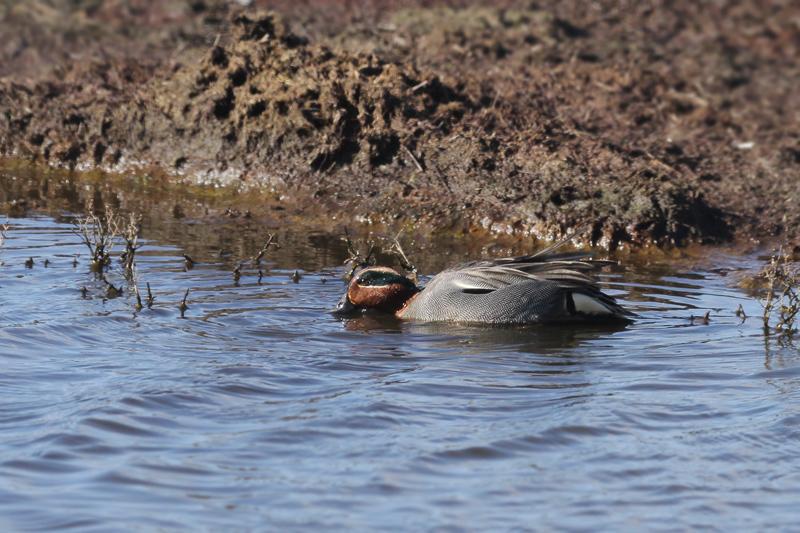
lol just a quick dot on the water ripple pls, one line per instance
(259, 410)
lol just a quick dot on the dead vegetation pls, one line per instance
(355, 259)
(130, 235)
(781, 302)
(183, 307)
(98, 233)
(3, 231)
(387, 248)
(260, 255)
(150, 298)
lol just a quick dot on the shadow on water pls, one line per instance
(260, 408)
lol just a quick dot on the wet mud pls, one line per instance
(623, 123)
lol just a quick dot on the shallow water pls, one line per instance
(259, 410)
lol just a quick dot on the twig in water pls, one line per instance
(784, 278)
(98, 234)
(354, 260)
(138, 306)
(351, 250)
(354, 256)
(704, 320)
(407, 265)
(131, 237)
(135, 283)
(771, 273)
(183, 307)
(3, 231)
(150, 298)
(260, 254)
(111, 290)
(370, 254)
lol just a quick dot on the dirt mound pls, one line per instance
(271, 101)
(268, 100)
(525, 119)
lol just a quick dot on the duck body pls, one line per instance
(542, 288)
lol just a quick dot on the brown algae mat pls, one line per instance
(627, 123)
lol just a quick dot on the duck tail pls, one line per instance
(595, 304)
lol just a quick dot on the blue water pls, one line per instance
(259, 410)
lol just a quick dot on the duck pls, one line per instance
(545, 287)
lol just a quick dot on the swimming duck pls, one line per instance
(545, 287)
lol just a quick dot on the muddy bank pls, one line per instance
(628, 124)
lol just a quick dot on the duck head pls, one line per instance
(376, 288)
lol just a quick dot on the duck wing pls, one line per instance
(541, 287)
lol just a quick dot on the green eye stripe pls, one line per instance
(377, 278)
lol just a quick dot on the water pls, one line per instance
(259, 410)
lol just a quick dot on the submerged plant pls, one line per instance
(134, 281)
(782, 299)
(407, 265)
(112, 291)
(355, 260)
(3, 231)
(98, 234)
(183, 307)
(131, 237)
(383, 245)
(270, 242)
(150, 298)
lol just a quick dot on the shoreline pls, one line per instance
(520, 120)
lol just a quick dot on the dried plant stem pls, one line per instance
(98, 234)
(150, 298)
(135, 284)
(131, 237)
(3, 231)
(407, 265)
(414, 159)
(183, 306)
(768, 303)
(783, 294)
(264, 249)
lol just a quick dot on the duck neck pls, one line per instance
(403, 308)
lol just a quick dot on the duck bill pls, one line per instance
(345, 307)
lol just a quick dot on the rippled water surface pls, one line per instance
(259, 410)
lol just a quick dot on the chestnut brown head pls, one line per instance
(376, 288)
